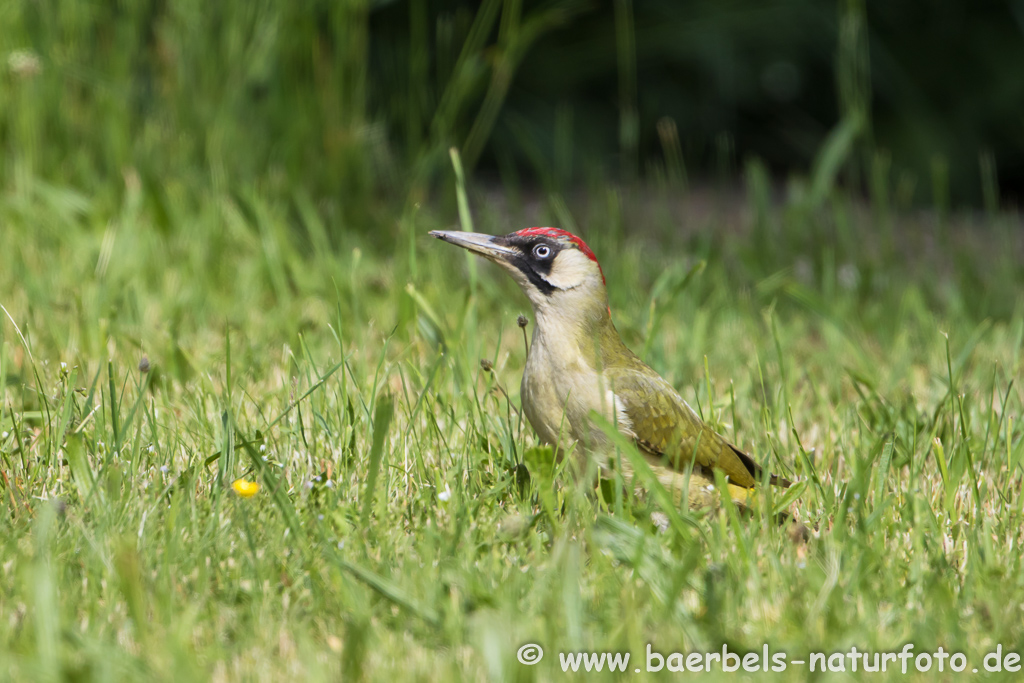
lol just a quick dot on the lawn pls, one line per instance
(155, 347)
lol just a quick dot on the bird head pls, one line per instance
(554, 268)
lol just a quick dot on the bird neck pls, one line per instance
(580, 329)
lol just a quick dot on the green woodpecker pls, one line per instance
(577, 363)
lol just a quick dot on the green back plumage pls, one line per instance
(663, 424)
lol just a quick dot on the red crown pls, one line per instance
(556, 232)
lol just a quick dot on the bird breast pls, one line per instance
(559, 391)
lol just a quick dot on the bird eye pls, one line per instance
(542, 251)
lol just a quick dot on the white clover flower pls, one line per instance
(446, 495)
(24, 63)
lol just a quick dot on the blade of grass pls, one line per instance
(382, 415)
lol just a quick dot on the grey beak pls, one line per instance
(485, 245)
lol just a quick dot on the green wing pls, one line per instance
(664, 425)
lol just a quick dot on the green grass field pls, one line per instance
(156, 347)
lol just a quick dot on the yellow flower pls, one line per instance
(246, 489)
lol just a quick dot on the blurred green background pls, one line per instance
(355, 104)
